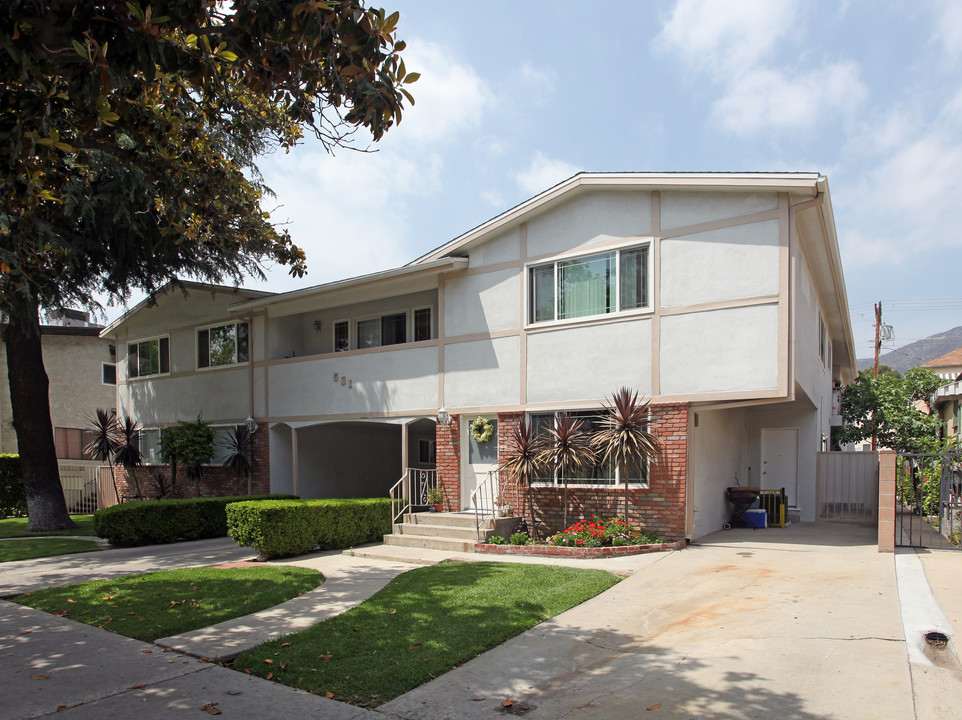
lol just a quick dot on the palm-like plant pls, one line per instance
(623, 437)
(128, 449)
(104, 428)
(524, 460)
(239, 443)
(568, 449)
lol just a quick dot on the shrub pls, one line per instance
(603, 532)
(281, 528)
(519, 538)
(166, 521)
(497, 540)
(12, 499)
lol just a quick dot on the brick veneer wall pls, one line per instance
(659, 507)
(448, 461)
(215, 482)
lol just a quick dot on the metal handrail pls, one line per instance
(485, 491)
(411, 490)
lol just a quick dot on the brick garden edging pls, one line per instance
(576, 552)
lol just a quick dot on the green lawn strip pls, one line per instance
(422, 624)
(11, 550)
(156, 605)
(17, 527)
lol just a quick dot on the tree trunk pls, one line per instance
(29, 398)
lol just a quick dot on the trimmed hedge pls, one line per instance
(13, 502)
(151, 522)
(281, 528)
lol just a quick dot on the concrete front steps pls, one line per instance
(454, 532)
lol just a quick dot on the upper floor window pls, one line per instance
(589, 286)
(223, 345)
(148, 357)
(389, 329)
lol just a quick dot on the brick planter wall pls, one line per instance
(215, 482)
(659, 507)
(576, 552)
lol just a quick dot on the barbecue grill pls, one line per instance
(741, 499)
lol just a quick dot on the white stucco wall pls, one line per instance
(680, 209)
(590, 218)
(719, 452)
(482, 303)
(503, 248)
(734, 262)
(217, 395)
(589, 362)
(727, 350)
(482, 373)
(387, 380)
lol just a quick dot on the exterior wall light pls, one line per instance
(443, 417)
(251, 424)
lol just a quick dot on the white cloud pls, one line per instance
(948, 28)
(450, 97)
(493, 197)
(542, 173)
(765, 98)
(724, 37)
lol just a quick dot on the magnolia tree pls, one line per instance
(129, 133)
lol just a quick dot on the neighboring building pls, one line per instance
(720, 296)
(947, 367)
(81, 369)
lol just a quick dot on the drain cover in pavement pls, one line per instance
(936, 639)
(515, 709)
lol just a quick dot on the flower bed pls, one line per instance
(577, 551)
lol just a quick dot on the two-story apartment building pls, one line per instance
(720, 296)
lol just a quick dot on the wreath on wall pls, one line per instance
(482, 430)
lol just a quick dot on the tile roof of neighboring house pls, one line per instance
(951, 359)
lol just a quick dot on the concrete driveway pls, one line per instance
(801, 622)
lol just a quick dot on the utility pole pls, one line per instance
(878, 346)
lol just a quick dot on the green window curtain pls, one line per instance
(584, 286)
(633, 278)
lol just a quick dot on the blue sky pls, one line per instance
(516, 96)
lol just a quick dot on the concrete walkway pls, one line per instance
(802, 622)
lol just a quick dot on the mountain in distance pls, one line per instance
(918, 352)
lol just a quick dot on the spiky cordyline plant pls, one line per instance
(623, 436)
(524, 461)
(105, 430)
(238, 443)
(568, 448)
(128, 449)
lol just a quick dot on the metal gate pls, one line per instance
(846, 487)
(87, 485)
(928, 500)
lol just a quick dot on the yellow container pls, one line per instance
(773, 502)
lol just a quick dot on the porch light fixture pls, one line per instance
(317, 326)
(251, 424)
(443, 417)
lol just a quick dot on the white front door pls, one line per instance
(780, 461)
(478, 460)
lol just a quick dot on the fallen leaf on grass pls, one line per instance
(283, 666)
(71, 601)
(269, 661)
(325, 657)
(62, 613)
(270, 675)
(284, 644)
(415, 646)
(393, 612)
(329, 695)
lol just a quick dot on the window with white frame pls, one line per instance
(220, 345)
(149, 443)
(598, 473)
(382, 330)
(588, 286)
(148, 357)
